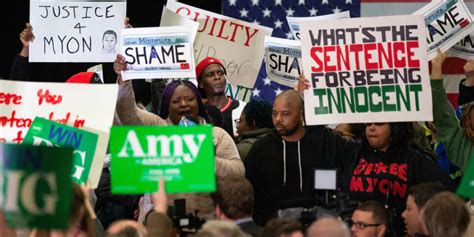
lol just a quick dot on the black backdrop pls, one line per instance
(142, 13)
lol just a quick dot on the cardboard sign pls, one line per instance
(75, 31)
(238, 44)
(446, 22)
(184, 156)
(282, 60)
(366, 70)
(45, 132)
(35, 186)
(294, 22)
(170, 18)
(87, 106)
(159, 52)
(466, 187)
(463, 49)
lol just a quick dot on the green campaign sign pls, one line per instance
(44, 132)
(184, 156)
(466, 187)
(35, 186)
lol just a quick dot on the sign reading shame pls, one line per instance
(160, 52)
(45, 132)
(75, 31)
(446, 22)
(35, 186)
(366, 70)
(282, 60)
(238, 44)
(464, 48)
(86, 106)
(183, 156)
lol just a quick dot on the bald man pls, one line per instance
(281, 165)
(328, 227)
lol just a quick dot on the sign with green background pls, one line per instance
(44, 132)
(35, 186)
(184, 156)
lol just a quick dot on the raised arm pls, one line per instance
(448, 129)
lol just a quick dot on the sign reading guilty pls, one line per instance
(79, 31)
(366, 70)
(160, 52)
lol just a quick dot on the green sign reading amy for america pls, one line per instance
(183, 156)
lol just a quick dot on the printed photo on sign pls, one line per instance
(370, 69)
(85, 106)
(294, 22)
(159, 52)
(446, 22)
(35, 186)
(44, 132)
(142, 155)
(88, 32)
(238, 44)
(282, 60)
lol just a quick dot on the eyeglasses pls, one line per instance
(362, 225)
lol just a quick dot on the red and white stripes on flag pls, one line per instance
(453, 67)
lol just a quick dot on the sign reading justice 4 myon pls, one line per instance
(35, 186)
(183, 156)
(366, 70)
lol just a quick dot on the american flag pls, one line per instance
(272, 13)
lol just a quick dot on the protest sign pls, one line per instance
(446, 22)
(87, 106)
(466, 187)
(75, 31)
(463, 49)
(158, 52)
(170, 18)
(282, 60)
(294, 22)
(366, 70)
(183, 156)
(35, 186)
(45, 132)
(238, 44)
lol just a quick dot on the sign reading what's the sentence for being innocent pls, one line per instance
(141, 155)
(366, 70)
(35, 186)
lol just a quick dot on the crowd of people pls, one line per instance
(265, 159)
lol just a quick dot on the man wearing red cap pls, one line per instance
(212, 82)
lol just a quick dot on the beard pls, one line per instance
(289, 131)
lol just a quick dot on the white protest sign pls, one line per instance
(294, 22)
(158, 52)
(171, 18)
(447, 22)
(87, 106)
(238, 44)
(463, 49)
(283, 60)
(366, 70)
(76, 31)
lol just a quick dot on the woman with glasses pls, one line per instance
(382, 166)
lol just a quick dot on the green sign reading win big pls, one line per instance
(183, 156)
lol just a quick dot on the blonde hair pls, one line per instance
(219, 228)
